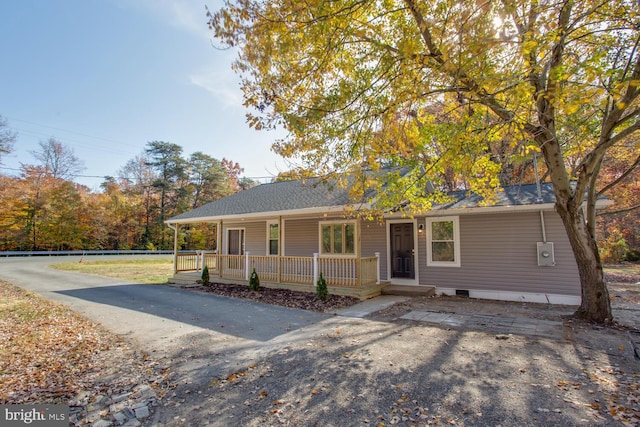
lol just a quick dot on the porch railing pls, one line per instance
(342, 272)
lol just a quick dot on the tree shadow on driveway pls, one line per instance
(148, 307)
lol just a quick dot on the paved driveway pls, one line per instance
(159, 317)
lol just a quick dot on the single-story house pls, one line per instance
(290, 232)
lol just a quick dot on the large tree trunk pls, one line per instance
(595, 306)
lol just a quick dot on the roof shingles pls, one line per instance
(295, 195)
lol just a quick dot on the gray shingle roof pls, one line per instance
(272, 197)
(516, 195)
(294, 195)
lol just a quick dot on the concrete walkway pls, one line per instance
(498, 324)
(518, 325)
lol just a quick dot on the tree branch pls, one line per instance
(617, 211)
(620, 178)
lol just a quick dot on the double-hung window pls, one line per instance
(443, 242)
(338, 238)
(273, 238)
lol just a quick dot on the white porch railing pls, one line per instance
(341, 272)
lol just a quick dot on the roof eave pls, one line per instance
(261, 215)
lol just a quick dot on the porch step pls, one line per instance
(409, 291)
(185, 278)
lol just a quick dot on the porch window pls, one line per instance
(273, 238)
(443, 242)
(338, 238)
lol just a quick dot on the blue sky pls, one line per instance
(105, 77)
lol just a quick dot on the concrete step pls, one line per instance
(409, 290)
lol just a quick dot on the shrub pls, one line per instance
(205, 275)
(254, 281)
(613, 248)
(321, 289)
(632, 256)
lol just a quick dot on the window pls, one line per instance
(273, 238)
(443, 242)
(338, 238)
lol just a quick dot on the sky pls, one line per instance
(106, 77)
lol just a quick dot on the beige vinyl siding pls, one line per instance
(300, 237)
(374, 239)
(255, 236)
(498, 253)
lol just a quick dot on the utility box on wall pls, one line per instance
(546, 257)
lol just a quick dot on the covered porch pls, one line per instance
(359, 277)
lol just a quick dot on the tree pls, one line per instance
(166, 159)
(233, 171)
(58, 159)
(12, 211)
(137, 185)
(446, 81)
(208, 179)
(7, 138)
(37, 185)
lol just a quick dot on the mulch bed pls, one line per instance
(282, 297)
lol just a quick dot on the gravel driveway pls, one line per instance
(386, 371)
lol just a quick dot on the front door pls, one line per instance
(235, 246)
(236, 241)
(402, 251)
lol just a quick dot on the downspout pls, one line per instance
(539, 199)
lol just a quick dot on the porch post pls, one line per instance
(377, 254)
(246, 265)
(280, 248)
(197, 260)
(315, 269)
(219, 247)
(175, 248)
(202, 259)
(358, 254)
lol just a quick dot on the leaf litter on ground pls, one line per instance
(51, 354)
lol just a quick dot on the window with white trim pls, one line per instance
(443, 242)
(338, 238)
(273, 238)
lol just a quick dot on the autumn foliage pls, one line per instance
(41, 210)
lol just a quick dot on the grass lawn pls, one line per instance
(154, 271)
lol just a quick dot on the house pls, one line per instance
(290, 232)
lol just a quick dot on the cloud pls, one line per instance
(188, 15)
(222, 83)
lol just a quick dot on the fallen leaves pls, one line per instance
(621, 393)
(44, 348)
(49, 353)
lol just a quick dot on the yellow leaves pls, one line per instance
(572, 107)
(528, 46)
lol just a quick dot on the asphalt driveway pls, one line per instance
(157, 317)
